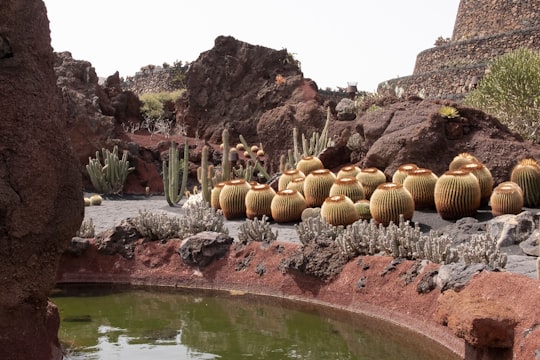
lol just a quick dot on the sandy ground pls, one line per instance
(114, 210)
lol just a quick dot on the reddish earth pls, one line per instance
(484, 313)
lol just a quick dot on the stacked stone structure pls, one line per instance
(483, 30)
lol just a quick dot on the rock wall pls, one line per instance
(41, 205)
(151, 80)
(483, 30)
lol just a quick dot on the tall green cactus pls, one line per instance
(253, 156)
(171, 172)
(225, 161)
(205, 187)
(110, 177)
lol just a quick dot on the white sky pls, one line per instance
(339, 41)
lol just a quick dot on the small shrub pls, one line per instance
(256, 230)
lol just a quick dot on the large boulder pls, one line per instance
(41, 204)
(414, 132)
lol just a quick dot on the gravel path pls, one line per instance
(113, 211)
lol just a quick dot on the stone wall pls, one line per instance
(151, 80)
(477, 18)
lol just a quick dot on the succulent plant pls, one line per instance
(309, 163)
(448, 112)
(258, 200)
(421, 184)
(485, 179)
(174, 187)
(287, 176)
(240, 147)
(401, 173)
(254, 149)
(462, 159)
(389, 201)
(457, 194)
(349, 170)
(87, 201)
(297, 184)
(232, 198)
(348, 186)
(310, 213)
(317, 186)
(260, 153)
(226, 159)
(339, 210)
(287, 206)
(527, 175)
(96, 199)
(506, 198)
(362, 209)
(214, 195)
(370, 178)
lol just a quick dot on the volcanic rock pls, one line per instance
(41, 206)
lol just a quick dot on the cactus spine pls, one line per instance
(308, 164)
(421, 185)
(485, 179)
(173, 188)
(339, 210)
(258, 200)
(507, 198)
(214, 196)
(362, 209)
(349, 170)
(457, 194)
(370, 178)
(527, 175)
(317, 186)
(232, 198)
(389, 201)
(348, 186)
(297, 184)
(401, 173)
(462, 159)
(287, 206)
(287, 177)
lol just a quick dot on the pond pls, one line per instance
(117, 323)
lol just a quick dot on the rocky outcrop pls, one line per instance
(41, 205)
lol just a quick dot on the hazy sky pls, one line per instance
(336, 41)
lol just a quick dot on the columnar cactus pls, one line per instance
(370, 178)
(506, 198)
(287, 206)
(457, 194)
(421, 185)
(401, 173)
(110, 177)
(258, 200)
(287, 176)
(462, 159)
(172, 167)
(348, 186)
(317, 186)
(308, 164)
(225, 160)
(232, 198)
(485, 179)
(205, 186)
(339, 210)
(527, 175)
(389, 201)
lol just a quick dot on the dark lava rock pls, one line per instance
(205, 247)
(120, 239)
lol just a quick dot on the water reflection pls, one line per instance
(99, 323)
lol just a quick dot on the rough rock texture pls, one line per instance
(41, 204)
(203, 248)
(414, 132)
(120, 239)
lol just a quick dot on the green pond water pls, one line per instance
(110, 323)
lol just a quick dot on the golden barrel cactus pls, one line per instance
(214, 195)
(287, 206)
(317, 186)
(362, 209)
(462, 159)
(401, 173)
(506, 198)
(258, 200)
(349, 170)
(457, 194)
(485, 179)
(370, 178)
(348, 186)
(339, 210)
(288, 176)
(421, 184)
(309, 163)
(527, 175)
(297, 184)
(232, 198)
(389, 201)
